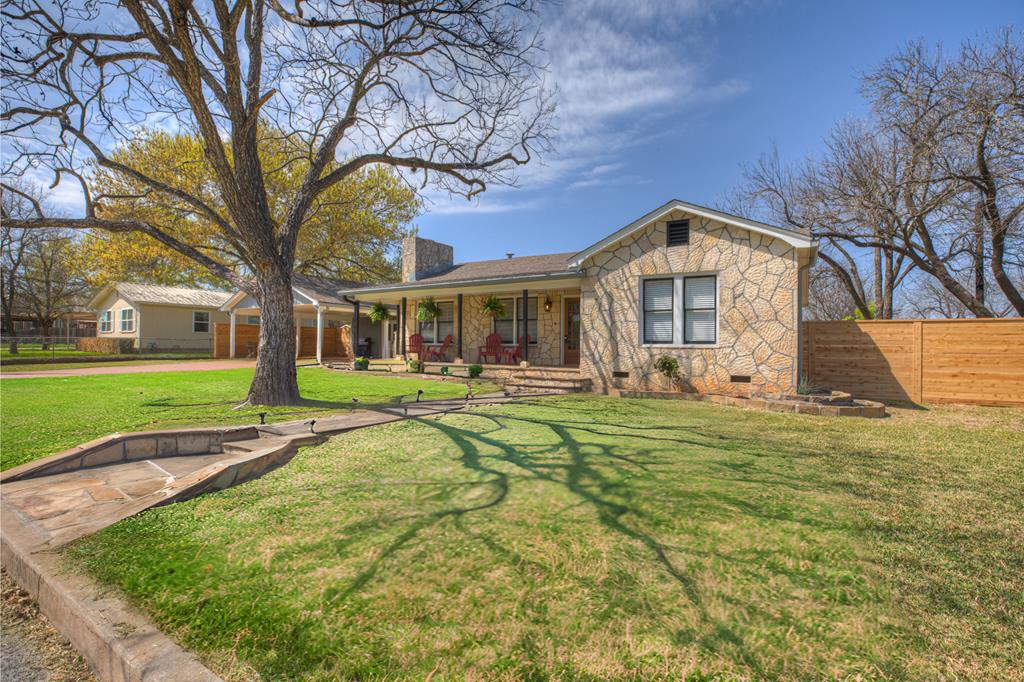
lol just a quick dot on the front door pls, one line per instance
(571, 327)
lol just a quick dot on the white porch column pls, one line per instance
(319, 334)
(231, 342)
(385, 349)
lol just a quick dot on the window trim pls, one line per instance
(107, 322)
(678, 311)
(207, 322)
(671, 310)
(121, 320)
(517, 321)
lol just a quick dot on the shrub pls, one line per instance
(475, 371)
(362, 363)
(668, 366)
(415, 366)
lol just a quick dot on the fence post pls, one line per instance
(918, 361)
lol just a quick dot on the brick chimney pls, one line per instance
(424, 257)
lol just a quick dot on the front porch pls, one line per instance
(548, 315)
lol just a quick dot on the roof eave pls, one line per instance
(513, 279)
(792, 238)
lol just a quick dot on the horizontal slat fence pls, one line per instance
(336, 341)
(924, 361)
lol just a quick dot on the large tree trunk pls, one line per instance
(275, 382)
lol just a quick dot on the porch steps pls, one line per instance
(562, 382)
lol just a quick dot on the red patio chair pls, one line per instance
(514, 355)
(416, 345)
(440, 352)
(491, 349)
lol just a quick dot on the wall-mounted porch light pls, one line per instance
(547, 303)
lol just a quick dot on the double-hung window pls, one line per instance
(680, 310)
(435, 331)
(510, 325)
(200, 321)
(106, 322)
(658, 310)
(505, 325)
(127, 319)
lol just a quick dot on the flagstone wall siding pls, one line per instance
(476, 326)
(757, 328)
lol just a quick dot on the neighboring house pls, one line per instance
(158, 317)
(325, 323)
(721, 293)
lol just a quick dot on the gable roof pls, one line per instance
(161, 295)
(796, 238)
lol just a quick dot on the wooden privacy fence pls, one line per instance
(924, 361)
(336, 341)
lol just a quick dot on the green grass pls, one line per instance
(586, 538)
(42, 416)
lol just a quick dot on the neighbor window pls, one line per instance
(106, 322)
(680, 310)
(509, 326)
(200, 321)
(678, 232)
(252, 319)
(437, 329)
(127, 319)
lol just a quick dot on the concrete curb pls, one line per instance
(120, 643)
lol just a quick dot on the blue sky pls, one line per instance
(669, 99)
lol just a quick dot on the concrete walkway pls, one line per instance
(52, 501)
(174, 366)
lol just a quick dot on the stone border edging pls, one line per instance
(119, 643)
(869, 409)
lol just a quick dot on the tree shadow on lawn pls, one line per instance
(597, 475)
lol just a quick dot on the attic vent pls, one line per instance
(620, 375)
(739, 378)
(679, 233)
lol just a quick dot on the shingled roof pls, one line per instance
(322, 289)
(546, 265)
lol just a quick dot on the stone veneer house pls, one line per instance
(720, 293)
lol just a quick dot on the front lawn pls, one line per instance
(42, 416)
(592, 538)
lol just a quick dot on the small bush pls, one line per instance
(362, 363)
(668, 366)
(475, 371)
(415, 366)
(807, 388)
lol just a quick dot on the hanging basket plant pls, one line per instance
(493, 306)
(379, 312)
(428, 310)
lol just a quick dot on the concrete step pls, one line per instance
(252, 445)
(572, 385)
